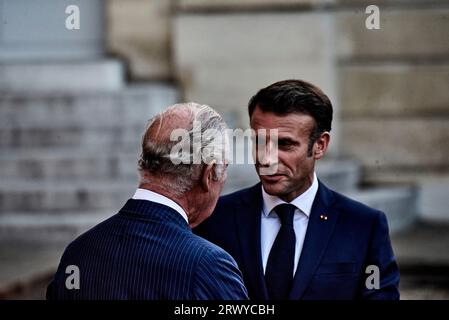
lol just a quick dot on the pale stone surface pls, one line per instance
(394, 98)
(71, 152)
(394, 90)
(432, 183)
(60, 164)
(132, 105)
(240, 39)
(139, 31)
(399, 143)
(339, 175)
(434, 197)
(48, 227)
(106, 138)
(79, 76)
(62, 195)
(398, 203)
(423, 245)
(403, 33)
(256, 4)
(110, 121)
(23, 261)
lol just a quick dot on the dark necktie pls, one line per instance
(279, 270)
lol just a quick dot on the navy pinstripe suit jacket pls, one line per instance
(147, 251)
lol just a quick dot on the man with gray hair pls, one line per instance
(147, 250)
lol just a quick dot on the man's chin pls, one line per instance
(273, 189)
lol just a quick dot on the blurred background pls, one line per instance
(74, 103)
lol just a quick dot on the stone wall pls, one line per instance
(395, 100)
(139, 32)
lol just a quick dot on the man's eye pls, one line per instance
(283, 143)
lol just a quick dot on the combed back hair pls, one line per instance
(178, 170)
(296, 96)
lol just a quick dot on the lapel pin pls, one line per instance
(323, 217)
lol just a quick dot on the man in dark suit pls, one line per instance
(147, 250)
(292, 237)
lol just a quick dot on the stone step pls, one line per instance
(61, 196)
(64, 163)
(106, 138)
(48, 227)
(399, 203)
(73, 76)
(131, 106)
(342, 175)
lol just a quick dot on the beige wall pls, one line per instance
(393, 89)
(139, 32)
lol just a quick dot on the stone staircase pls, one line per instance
(69, 144)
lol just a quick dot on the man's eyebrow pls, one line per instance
(288, 140)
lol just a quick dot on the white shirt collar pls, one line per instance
(303, 202)
(145, 194)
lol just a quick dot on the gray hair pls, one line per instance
(179, 170)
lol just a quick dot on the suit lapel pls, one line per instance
(316, 240)
(248, 219)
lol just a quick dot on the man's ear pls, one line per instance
(321, 145)
(207, 176)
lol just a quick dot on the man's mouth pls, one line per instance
(272, 178)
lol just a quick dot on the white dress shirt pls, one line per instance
(144, 194)
(270, 223)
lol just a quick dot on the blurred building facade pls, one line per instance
(389, 86)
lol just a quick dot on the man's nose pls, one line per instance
(267, 155)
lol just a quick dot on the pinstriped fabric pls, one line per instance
(147, 251)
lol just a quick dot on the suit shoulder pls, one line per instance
(217, 275)
(89, 236)
(208, 255)
(206, 247)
